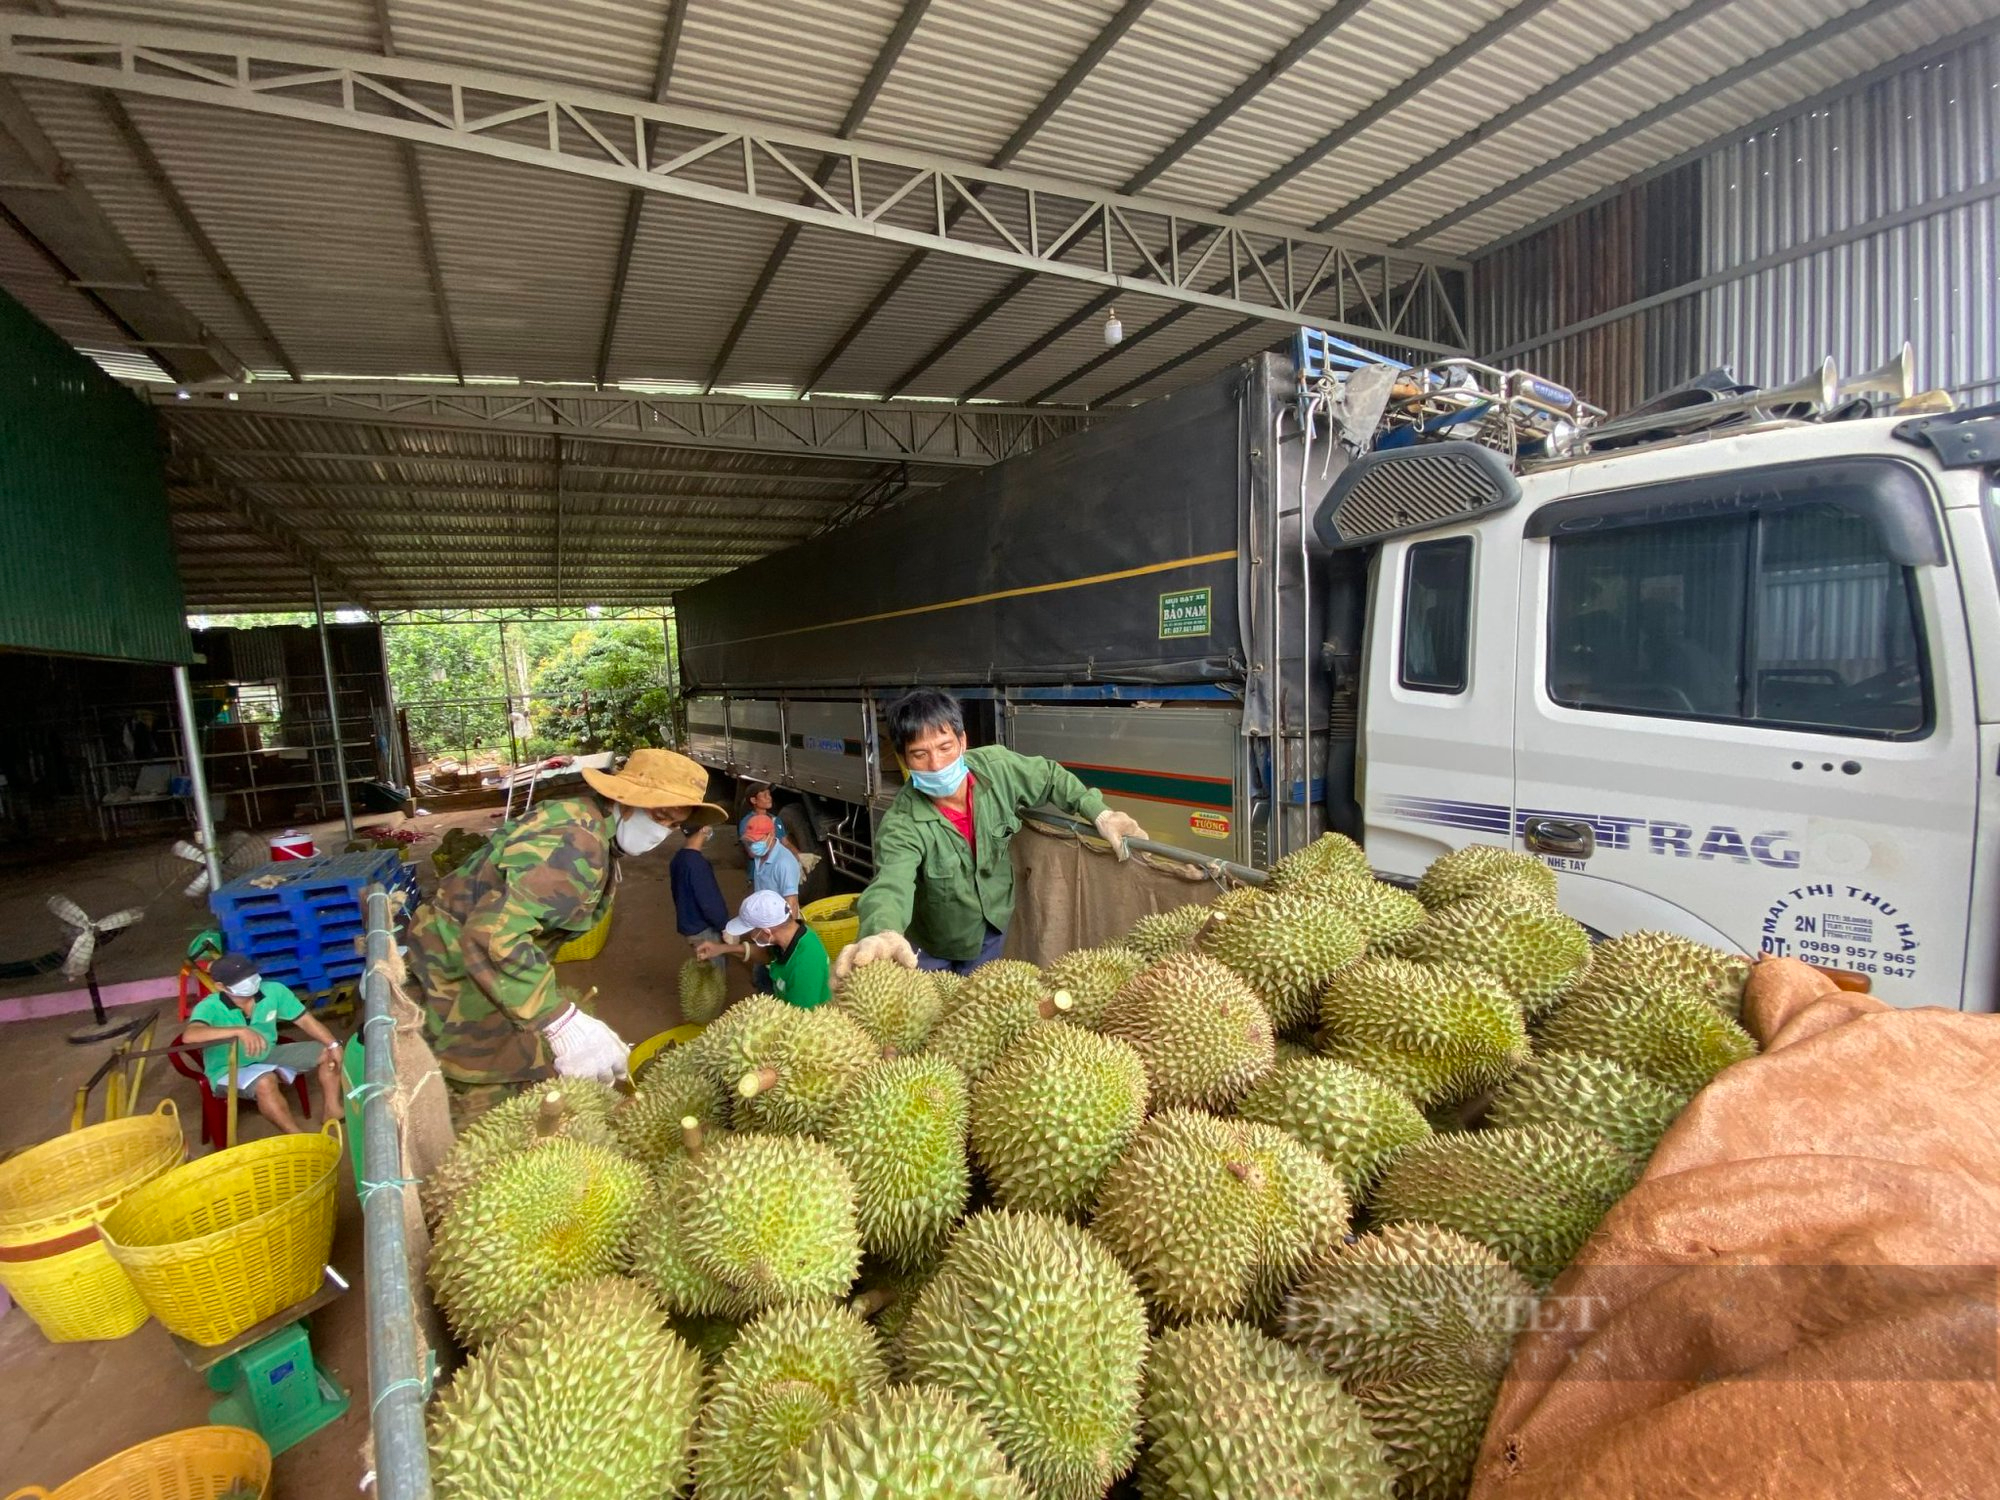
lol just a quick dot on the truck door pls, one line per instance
(1437, 757)
(1745, 714)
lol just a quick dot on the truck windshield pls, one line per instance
(1795, 616)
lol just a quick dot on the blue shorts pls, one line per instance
(988, 951)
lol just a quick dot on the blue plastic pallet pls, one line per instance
(301, 919)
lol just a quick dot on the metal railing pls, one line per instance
(399, 1376)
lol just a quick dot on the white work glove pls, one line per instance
(1114, 828)
(586, 1048)
(874, 949)
(807, 864)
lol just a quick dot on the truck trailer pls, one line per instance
(1740, 683)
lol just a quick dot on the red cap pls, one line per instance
(761, 826)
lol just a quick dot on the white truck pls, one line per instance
(1741, 683)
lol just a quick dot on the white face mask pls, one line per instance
(639, 832)
(243, 989)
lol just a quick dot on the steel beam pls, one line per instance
(40, 194)
(1441, 67)
(1541, 99)
(765, 477)
(1286, 58)
(1053, 227)
(413, 177)
(920, 432)
(635, 202)
(1870, 10)
(864, 100)
(1126, 17)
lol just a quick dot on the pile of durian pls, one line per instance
(1252, 1204)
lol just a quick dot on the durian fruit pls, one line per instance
(1664, 962)
(786, 1376)
(1035, 1325)
(905, 1443)
(1430, 1431)
(1575, 1091)
(885, 1296)
(1471, 871)
(1230, 1412)
(573, 1109)
(1287, 1050)
(1437, 1032)
(1050, 1118)
(1286, 948)
(1204, 1037)
(1090, 977)
(1409, 1302)
(1419, 1323)
(1530, 947)
(1379, 909)
(798, 1078)
(1530, 1194)
(771, 1217)
(737, 1040)
(585, 1394)
(1329, 858)
(711, 1338)
(555, 1213)
(949, 986)
(900, 1130)
(1000, 1001)
(896, 1006)
(1161, 933)
(1352, 1118)
(1674, 1038)
(659, 1253)
(1216, 1218)
(648, 1124)
(704, 990)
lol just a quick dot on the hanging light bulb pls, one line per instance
(1114, 331)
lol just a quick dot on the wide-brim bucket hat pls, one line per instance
(659, 778)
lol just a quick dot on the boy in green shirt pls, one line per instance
(798, 966)
(243, 1015)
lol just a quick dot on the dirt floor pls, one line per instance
(69, 1406)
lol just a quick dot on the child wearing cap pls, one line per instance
(799, 970)
(243, 1015)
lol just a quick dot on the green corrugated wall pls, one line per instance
(86, 556)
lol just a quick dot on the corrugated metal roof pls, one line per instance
(327, 237)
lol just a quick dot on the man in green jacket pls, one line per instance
(944, 883)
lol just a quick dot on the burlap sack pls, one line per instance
(1799, 1297)
(1070, 893)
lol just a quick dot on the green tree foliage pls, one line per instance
(607, 689)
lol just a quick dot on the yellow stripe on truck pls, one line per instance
(1022, 592)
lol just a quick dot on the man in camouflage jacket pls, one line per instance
(482, 947)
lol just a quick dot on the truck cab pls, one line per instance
(1741, 688)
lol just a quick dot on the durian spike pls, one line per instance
(1057, 1004)
(691, 1135)
(867, 1304)
(757, 1081)
(549, 1118)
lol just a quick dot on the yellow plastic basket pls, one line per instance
(75, 1179)
(52, 1261)
(223, 1243)
(197, 1463)
(835, 919)
(588, 944)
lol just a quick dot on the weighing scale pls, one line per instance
(270, 1381)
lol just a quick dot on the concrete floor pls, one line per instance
(69, 1406)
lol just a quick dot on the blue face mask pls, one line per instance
(761, 848)
(943, 783)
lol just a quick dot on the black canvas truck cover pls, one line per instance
(1107, 556)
